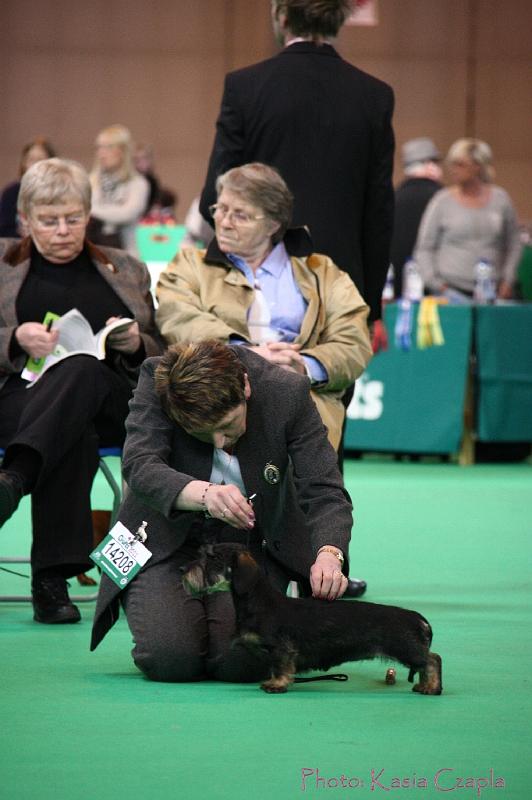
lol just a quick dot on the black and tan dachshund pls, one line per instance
(296, 635)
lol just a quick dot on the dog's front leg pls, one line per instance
(283, 668)
(430, 680)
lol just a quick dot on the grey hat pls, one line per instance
(422, 149)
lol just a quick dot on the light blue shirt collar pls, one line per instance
(274, 263)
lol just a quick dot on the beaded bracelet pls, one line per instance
(202, 501)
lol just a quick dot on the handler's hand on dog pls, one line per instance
(326, 578)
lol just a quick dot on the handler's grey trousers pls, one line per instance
(183, 638)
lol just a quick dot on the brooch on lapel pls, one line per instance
(271, 473)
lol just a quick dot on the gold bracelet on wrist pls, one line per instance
(327, 548)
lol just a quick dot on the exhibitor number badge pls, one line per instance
(120, 555)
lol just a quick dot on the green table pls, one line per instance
(503, 343)
(413, 401)
(159, 243)
(524, 273)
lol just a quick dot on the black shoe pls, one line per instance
(51, 603)
(10, 494)
(355, 587)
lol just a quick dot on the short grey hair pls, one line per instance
(261, 186)
(478, 151)
(54, 182)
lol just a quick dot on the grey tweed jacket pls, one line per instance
(306, 508)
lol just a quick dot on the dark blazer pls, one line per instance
(128, 277)
(307, 508)
(411, 199)
(326, 126)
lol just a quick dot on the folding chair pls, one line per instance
(117, 497)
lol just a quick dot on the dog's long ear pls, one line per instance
(244, 573)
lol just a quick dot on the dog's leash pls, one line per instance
(334, 676)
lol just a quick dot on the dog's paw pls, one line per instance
(425, 688)
(273, 688)
(430, 677)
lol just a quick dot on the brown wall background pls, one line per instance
(69, 68)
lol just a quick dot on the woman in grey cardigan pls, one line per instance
(470, 220)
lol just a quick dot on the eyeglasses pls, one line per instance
(53, 223)
(218, 211)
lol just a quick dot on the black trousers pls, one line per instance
(78, 406)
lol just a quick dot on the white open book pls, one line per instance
(75, 338)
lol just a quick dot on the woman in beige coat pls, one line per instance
(259, 284)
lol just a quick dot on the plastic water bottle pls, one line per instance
(388, 292)
(484, 292)
(412, 282)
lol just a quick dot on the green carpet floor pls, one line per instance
(453, 543)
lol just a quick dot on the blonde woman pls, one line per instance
(119, 192)
(470, 220)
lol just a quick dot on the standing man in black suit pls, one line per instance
(326, 126)
(423, 175)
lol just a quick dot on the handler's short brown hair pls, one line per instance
(199, 383)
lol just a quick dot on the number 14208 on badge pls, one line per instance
(120, 555)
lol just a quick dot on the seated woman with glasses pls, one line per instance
(260, 285)
(52, 430)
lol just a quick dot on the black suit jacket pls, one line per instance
(307, 508)
(411, 199)
(326, 126)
